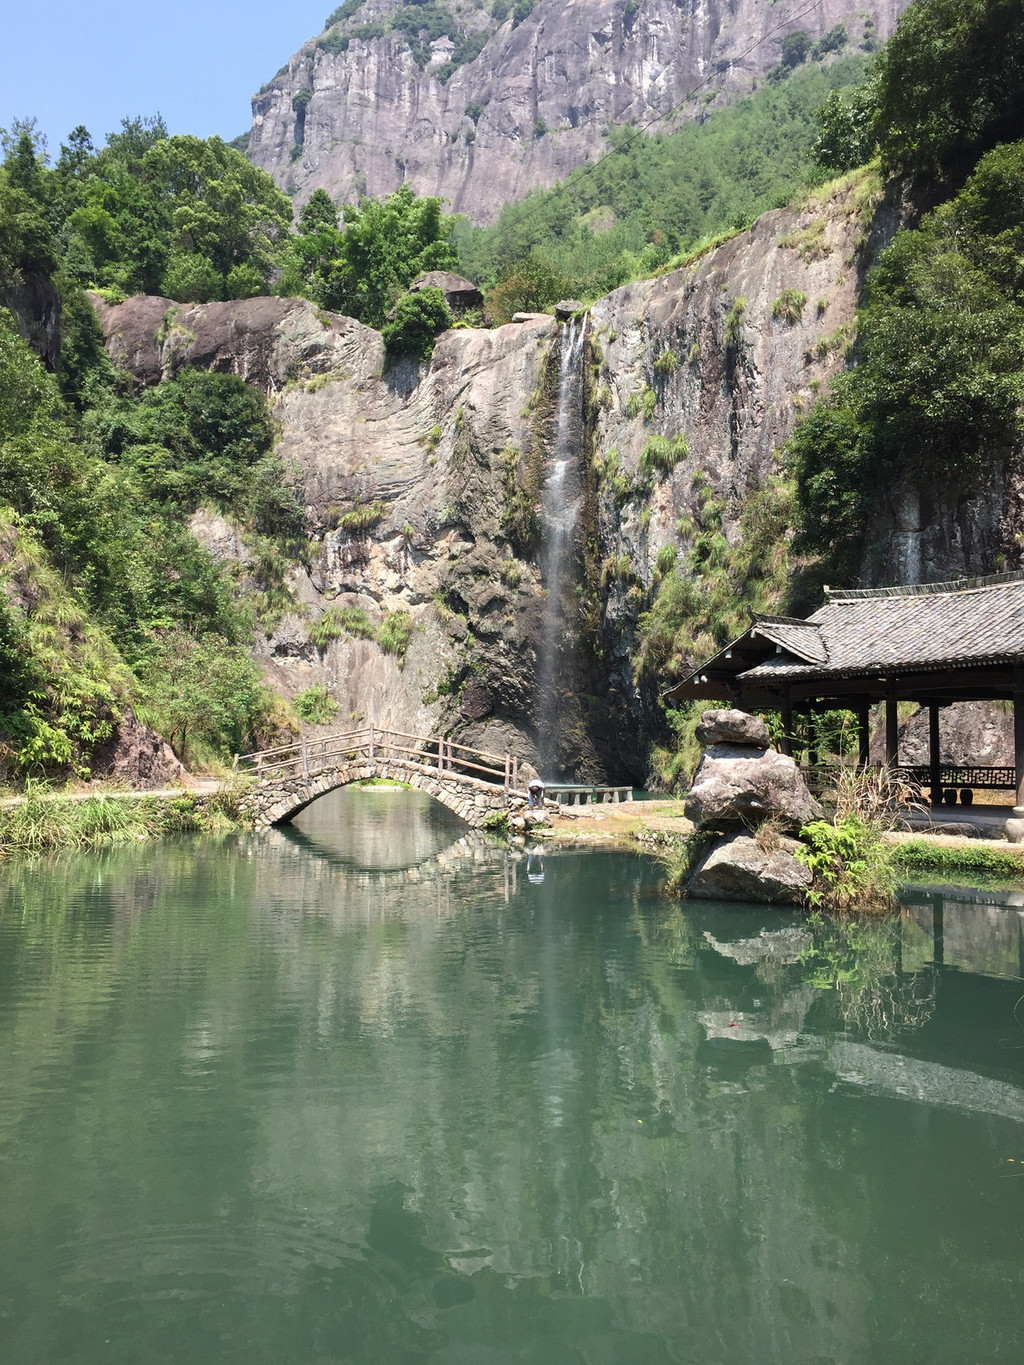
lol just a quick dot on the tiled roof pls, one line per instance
(801, 638)
(972, 621)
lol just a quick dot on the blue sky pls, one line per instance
(197, 62)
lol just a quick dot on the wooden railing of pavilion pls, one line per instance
(959, 775)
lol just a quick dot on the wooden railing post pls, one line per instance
(371, 742)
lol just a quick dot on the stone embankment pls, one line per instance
(748, 801)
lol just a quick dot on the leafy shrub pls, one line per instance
(315, 705)
(208, 699)
(343, 12)
(833, 41)
(418, 320)
(850, 865)
(528, 285)
(191, 278)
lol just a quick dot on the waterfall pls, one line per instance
(562, 497)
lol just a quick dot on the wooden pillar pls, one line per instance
(863, 733)
(812, 740)
(934, 768)
(892, 725)
(1018, 732)
(938, 929)
(786, 709)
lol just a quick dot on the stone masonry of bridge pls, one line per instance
(275, 800)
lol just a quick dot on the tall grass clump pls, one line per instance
(337, 622)
(44, 821)
(853, 867)
(395, 633)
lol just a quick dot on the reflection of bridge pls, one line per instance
(474, 784)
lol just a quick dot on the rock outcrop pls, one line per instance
(358, 110)
(451, 455)
(737, 784)
(138, 757)
(732, 727)
(459, 293)
(743, 796)
(738, 868)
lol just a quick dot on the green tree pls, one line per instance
(527, 286)
(938, 389)
(952, 85)
(385, 245)
(208, 700)
(418, 319)
(318, 213)
(847, 127)
(218, 205)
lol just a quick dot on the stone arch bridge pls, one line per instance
(474, 784)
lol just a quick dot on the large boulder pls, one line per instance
(137, 756)
(459, 293)
(726, 726)
(742, 785)
(737, 868)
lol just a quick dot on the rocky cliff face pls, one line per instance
(356, 114)
(447, 464)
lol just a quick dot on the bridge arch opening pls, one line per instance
(377, 828)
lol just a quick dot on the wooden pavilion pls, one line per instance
(933, 644)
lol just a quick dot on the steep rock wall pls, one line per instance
(573, 67)
(452, 454)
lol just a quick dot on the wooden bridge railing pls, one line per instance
(311, 756)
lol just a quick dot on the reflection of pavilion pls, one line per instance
(977, 931)
(962, 949)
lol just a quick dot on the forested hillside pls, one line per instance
(110, 603)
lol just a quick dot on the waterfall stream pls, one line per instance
(562, 497)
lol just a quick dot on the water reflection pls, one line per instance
(379, 828)
(265, 1099)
